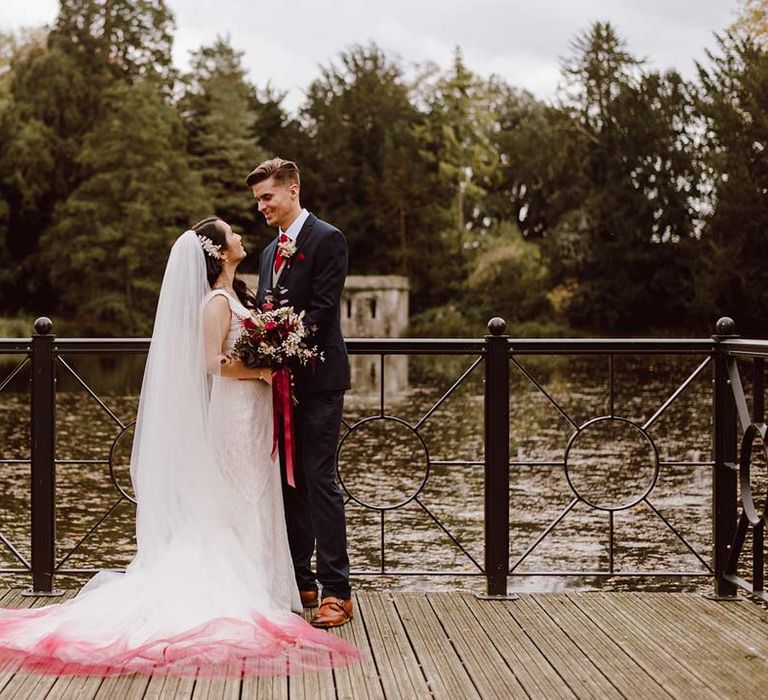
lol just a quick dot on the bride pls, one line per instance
(211, 587)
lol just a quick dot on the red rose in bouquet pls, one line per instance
(275, 338)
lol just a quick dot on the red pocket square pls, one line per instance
(300, 257)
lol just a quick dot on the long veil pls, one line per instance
(172, 459)
(195, 600)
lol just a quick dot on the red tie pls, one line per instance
(279, 259)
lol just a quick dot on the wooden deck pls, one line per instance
(439, 645)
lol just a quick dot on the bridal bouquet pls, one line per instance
(275, 338)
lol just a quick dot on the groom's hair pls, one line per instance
(284, 172)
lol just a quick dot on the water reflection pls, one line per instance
(384, 462)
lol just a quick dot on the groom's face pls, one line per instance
(277, 201)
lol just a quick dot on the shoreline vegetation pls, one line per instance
(636, 201)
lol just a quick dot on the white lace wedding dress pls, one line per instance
(241, 427)
(211, 588)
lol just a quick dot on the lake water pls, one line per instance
(384, 462)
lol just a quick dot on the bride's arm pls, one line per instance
(216, 317)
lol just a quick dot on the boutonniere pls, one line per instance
(286, 249)
(287, 252)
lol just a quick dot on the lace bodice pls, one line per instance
(241, 424)
(239, 312)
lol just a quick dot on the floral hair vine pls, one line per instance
(209, 246)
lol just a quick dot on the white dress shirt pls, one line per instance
(295, 228)
(293, 233)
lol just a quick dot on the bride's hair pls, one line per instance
(209, 228)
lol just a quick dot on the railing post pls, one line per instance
(725, 447)
(43, 454)
(496, 459)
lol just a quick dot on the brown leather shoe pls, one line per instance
(308, 598)
(333, 612)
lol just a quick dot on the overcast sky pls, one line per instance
(284, 42)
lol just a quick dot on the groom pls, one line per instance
(311, 279)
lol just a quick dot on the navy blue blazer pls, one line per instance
(312, 282)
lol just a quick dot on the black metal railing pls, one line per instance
(734, 515)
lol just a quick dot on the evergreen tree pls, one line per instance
(458, 138)
(131, 39)
(731, 277)
(524, 186)
(110, 239)
(365, 170)
(281, 134)
(628, 200)
(57, 94)
(217, 109)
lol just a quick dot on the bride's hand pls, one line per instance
(267, 376)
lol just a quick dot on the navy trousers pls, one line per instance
(314, 510)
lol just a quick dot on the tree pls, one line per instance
(279, 133)
(217, 109)
(731, 278)
(530, 172)
(365, 168)
(56, 94)
(458, 138)
(131, 39)
(752, 21)
(628, 202)
(15, 49)
(109, 241)
(509, 278)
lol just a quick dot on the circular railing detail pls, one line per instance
(114, 454)
(598, 461)
(403, 442)
(753, 431)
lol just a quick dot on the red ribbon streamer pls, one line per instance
(282, 407)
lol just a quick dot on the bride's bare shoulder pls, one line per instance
(217, 306)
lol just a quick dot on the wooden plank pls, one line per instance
(265, 680)
(8, 668)
(744, 621)
(532, 668)
(161, 686)
(449, 645)
(34, 685)
(15, 599)
(446, 675)
(686, 639)
(749, 631)
(665, 655)
(620, 668)
(66, 687)
(639, 641)
(745, 609)
(226, 687)
(312, 684)
(10, 677)
(576, 669)
(734, 669)
(129, 687)
(75, 688)
(395, 660)
(358, 681)
(485, 666)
